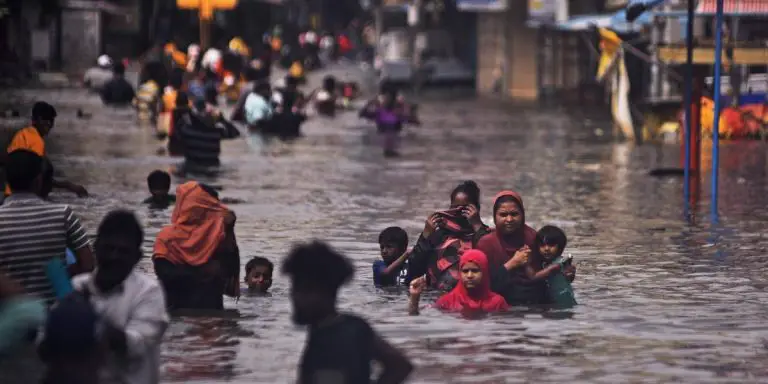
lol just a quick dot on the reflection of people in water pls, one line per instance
(340, 347)
(205, 350)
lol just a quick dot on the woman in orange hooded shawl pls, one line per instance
(196, 257)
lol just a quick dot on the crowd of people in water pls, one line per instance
(183, 94)
(73, 310)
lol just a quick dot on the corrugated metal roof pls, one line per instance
(730, 7)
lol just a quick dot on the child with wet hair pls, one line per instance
(340, 347)
(548, 264)
(159, 184)
(258, 275)
(392, 269)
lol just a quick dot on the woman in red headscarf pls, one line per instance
(508, 248)
(472, 294)
(196, 257)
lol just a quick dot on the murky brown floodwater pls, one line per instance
(661, 300)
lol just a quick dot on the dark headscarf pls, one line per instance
(500, 249)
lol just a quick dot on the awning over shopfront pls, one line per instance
(734, 7)
(616, 22)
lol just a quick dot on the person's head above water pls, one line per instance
(393, 242)
(317, 272)
(508, 213)
(474, 290)
(159, 184)
(467, 192)
(43, 117)
(550, 242)
(258, 274)
(118, 69)
(262, 88)
(24, 171)
(291, 82)
(118, 248)
(329, 83)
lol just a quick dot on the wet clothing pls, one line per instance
(256, 109)
(146, 101)
(389, 124)
(398, 277)
(238, 111)
(138, 308)
(195, 242)
(117, 92)
(481, 299)
(170, 199)
(438, 256)
(513, 285)
(200, 140)
(338, 352)
(19, 319)
(32, 233)
(288, 120)
(28, 138)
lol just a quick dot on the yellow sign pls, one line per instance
(206, 7)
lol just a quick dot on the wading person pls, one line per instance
(130, 304)
(34, 232)
(446, 235)
(340, 347)
(472, 294)
(118, 91)
(196, 258)
(509, 249)
(32, 137)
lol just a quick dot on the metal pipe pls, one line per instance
(718, 107)
(688, 100)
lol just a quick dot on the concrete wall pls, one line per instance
(80, 39)
(507, 49)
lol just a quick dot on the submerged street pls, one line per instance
(661, 300)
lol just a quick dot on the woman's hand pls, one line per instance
(473, 215)
(433, 223)
(417, 286)
(519, 259)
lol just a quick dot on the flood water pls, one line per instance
(661, 299)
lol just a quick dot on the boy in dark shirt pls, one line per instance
(392, 269)
(258, 275)
(340, 347)
(159, 183)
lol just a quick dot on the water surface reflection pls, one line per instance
(661, 301)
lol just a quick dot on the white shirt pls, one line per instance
(256, 108)
(139, 310)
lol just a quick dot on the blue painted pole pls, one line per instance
(688, 100)
(718, 106)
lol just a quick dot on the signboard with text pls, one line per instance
(482, 5)
(542, 11)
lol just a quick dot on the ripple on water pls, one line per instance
(661, 300)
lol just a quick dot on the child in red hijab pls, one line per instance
(473, 293)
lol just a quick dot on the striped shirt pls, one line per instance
(201, 142)
(32, 233)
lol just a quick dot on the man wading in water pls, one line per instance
(31, 139)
